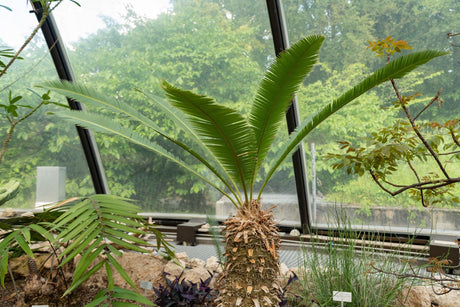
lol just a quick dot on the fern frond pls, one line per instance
(100, 222)
(396, 69)
(100, 123)
(223, 130)
(277, 89)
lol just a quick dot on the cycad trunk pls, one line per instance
(251, 273)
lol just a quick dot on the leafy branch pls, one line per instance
(437, 276)
(11, 108)
(404, 142)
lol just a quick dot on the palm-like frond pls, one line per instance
(91, 227)
(178, 118)
(277, 89)
(91, 97)
(224, 131)
(100, 123)
(103, 124)
(396, 69)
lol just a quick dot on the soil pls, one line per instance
(51, 296)
(46, 285)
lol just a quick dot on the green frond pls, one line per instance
(223, 130)
(277, 89)
(178, 118)
(100, 123)
(396, 69)
(92, 97)
(93, 230)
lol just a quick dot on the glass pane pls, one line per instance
(344, 61)
(216, 48)
(40, 140)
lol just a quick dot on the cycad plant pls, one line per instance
(233, 147)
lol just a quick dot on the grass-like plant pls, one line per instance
(233, 147)
(346, 263)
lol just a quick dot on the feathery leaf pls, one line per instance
(276, 91)
(223, 130)
(396, 69)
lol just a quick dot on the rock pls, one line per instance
(205, 226)
(42, 246)
(28, 214)
(18, 265)
(212, 264)
(182, 256)
(9, 212)
(195, 263)
(294, 232)
(284, 270)
(196, 275)
(421, 296)
(173, 270)
(140, 267)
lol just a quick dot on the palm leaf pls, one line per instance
(276, 91)
(223, 130)
(99, 123)
(92, 97)
(396, 69)
(180, 121)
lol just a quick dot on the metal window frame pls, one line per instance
(281, 42)
(64, 70)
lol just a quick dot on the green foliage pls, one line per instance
(96, 228)
(118, 297)
(7, 53)
(344, 262)
(219, 48)
(91, 228)
(403, 143)
(12, 110)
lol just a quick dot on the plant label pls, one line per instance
(338, 296)
(146, 285)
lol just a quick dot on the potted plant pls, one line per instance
(233, 147)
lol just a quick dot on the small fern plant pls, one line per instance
(95, 227)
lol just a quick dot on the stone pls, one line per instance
(421, 296)
(284, 270)
(195, 263)
(28, 214)
(294, 232)
(9, 212)
(196, 275)
(205, 226)
(212, 264)
(182, 256)
(173, 270)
